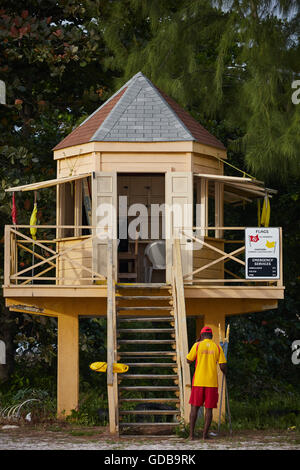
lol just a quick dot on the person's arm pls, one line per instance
(223, 368)
(192, 354)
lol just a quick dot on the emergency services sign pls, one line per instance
(262, 253)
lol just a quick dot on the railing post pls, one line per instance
(280, 281)
(7, 255)
(112, 380)
(178, 358)
(182, 328)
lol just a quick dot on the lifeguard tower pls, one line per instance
(139, 239)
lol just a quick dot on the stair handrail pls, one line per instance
(178, 359)
(112, 379)
(180, 311)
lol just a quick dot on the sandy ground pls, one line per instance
(31, 438)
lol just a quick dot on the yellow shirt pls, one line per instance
(207, 354)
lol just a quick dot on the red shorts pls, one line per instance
(207, 396)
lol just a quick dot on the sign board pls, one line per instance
(262, 253)
(2, 353)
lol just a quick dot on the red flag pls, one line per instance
(254, 238)
(14, 211)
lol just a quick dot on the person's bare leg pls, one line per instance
(193, 418)
(207, 422)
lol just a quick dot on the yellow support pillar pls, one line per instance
(214, 321)
(68, 364)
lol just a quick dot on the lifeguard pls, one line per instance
(205, 381)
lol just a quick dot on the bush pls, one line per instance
(92, 410)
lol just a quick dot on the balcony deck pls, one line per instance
(28, 263)
(191, 291)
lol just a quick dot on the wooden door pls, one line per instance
(179, 199)
(104, 214)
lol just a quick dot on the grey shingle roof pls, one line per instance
(139, 112)
(141, 115)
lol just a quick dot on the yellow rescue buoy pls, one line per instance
(102, 367)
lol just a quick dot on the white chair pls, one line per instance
(156, 254)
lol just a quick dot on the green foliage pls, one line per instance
(92, 409)
(259, 355)
(232, 69)
(273, 411)
(228, 61)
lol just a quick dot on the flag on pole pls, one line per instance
(265, 213)
(33, 220)
(14, 210)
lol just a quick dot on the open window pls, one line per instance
(74, 207)
(213, 191)
(73, 202)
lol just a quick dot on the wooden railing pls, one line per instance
(181, 333)
(112, 379)
(48, 260)
(215, 255)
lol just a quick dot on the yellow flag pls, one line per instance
(265, 213)
(270, 244)
(33, 220)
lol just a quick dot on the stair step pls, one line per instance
(151, 364)
(150, 400)
(145, 319)
(148, 376)
(149, 412)
(145, 308)
(146, 353)
(153, 306)
(146, 330)
(147, 424)
(146, 341)
(145, 388)
(141, 285)
(143, 297)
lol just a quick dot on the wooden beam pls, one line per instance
(140, 147)
(68, 365)
(56, 255)
(112, 380)
(228, 255)
(78, 207)
(219, 208)
(216, 261)
(7, 254)
(182, 327)
(204, 205)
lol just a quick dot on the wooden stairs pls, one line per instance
(146, 329)
(149, 395)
